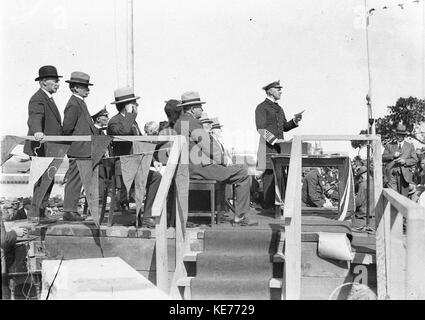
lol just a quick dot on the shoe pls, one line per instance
(46, 220)
(244, 222)
(72, 216)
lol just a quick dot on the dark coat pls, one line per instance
(408, 153)
(78, 122)
(119, 125)
(312, 193)
(20, 214)
(203, 150)
(270, 116)
(43, 116)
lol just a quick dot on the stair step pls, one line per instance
(274, 283)
(191, 257)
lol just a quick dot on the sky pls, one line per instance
(225, 50)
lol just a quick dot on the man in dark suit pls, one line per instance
(400, 159)
(124, 123)
(77, 122)
(43, 119)
(271, 122)
(312, 193)
(24, 212)
(206, 160)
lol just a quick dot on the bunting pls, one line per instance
(346, 183)
(38, 167)
(46, 179)
(90, 179)
(99, 146)
(7, 145)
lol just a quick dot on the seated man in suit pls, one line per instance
(312, 194)
(399, 158)
(23, 212)
(124, 123)
(206, 161)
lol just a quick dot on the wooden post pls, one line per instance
(415, 255)
(397, 259)
(292, 214)
(161, 250)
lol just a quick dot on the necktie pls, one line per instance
(399, 146)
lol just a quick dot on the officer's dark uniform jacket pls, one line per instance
(271, 122)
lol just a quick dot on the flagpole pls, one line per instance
(130, 45)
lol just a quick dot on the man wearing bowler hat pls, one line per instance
(205, 157)
(77, 122)
(124, 123)
(400, 159)
(43, 119)
(271, 122)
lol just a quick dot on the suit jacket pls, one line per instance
(271, 122)
(43, 116)
(312, 190)
(119, 125)
(78, 122)
(20, 214)
(203, 150)
(407, 152)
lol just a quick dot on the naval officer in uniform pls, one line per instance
(271, 122)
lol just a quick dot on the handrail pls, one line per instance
(292, 205)
(88, 138)
(400, 258)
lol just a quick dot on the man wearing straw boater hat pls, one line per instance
(271, 122)
(43, 119)
(124, 123)
(400, 159)
(77, 122)
(206, 162)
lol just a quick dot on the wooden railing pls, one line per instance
(292, 205)
(400, 256)
(177, 167)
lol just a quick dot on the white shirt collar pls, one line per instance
(271, 99)
(78, 96)
(48, 93)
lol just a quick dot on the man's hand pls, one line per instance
(279, 141)
(401, 161)
(298, 116)
(38, 136)
(328, 204)
(396, 154)
(157, 165)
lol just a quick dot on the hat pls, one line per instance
(275, 84)
(216, 124)
(101, 112)
(401, 129)
(47, 72)
(361, 170)
(124, 95)
(79, 77)
(204, 118)
(26, 201)
(190, 98)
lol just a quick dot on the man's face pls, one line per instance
(276, 93)
(207, 126)
(400, 137)
(216, 131)
(82, 90)
(103, 120)
(51, 85)
(197, 111)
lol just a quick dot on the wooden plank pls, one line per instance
(415, 255)
(292, 215)
(339, 137)
(396, 274)
(88, 138)
(161, 250)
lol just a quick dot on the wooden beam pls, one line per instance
(161, 250)
(397, 261)
(116, 138)
(292, 215)
(363, 137)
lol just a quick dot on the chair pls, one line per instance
(205, 185)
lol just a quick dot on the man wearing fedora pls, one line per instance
(124, 123)
(271, 122)
(77, 122)
(43, 119)
(400, 158)
(206, 162)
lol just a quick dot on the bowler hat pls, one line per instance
(124, 95)
(274, 84)
(47, 72)
(190, 98)
(79, 77)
